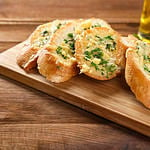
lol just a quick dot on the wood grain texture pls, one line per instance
(114, 11)
(67, 137)
(100, 97)
(21, 105)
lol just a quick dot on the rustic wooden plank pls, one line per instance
(68, 137)
(114, 11)
(20, 104)
(19, 32)
(116, 99)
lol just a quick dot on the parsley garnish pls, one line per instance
(70, 35)
(108, 37)
(71, 42)
(97, 53)
(87, 55)
(96, 25)
(45, 33)
(59, 25)
(146, 68)
(59, 51)
(94, 65)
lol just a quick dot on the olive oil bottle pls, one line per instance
(144, 29)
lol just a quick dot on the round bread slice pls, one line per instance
(137, 72)
(27, 58)
(57, 62)
(98, 53)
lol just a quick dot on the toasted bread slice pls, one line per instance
(98, 53)
(57, 62)
(27, 58)
(137, 72)
(129, 41)
(89, 24)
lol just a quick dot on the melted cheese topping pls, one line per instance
(66, 49)
(45, 33)
(90, 23)
(143, 51)
(99, 53)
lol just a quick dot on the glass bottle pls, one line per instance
(144, 29)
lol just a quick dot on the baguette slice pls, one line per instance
(27, 58)
(98, 53)
(91, 23)
(57, 62)
(137, 71)
(129, 41)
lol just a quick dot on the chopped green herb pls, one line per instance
(59, 51)
(108, 46)
(114, 45)
(96, 25)
(58, 67)
(59, 25)
(102, 73)
(86, 28)
(65, 57)
(72, 46)
(108, 37)
(66, 41)
(97, 53)
(87, 55)
(147, 58)
(70, 42)
(94, 65)
(45, 33)
(111, 47)
(146, 68)
(103, 61)
(136, 35)
(111, 68)
(70, 35)
(100, 39)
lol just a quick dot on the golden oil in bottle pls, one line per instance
(144, 30)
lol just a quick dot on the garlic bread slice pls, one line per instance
(98, 53)
(57, 62)
(27, 58)
(137, 71)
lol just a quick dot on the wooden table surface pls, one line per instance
(30, 119)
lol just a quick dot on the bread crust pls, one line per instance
(27, 58)
(79, 53)
(54, 70)
(136, 78)
(50, 64)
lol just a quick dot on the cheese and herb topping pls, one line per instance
(143, 51)
(67, 47)
(89, 24)
(42, 39)
(99, 53)
(59, 25)
(45, 33)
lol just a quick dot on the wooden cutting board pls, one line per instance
(110, 99)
